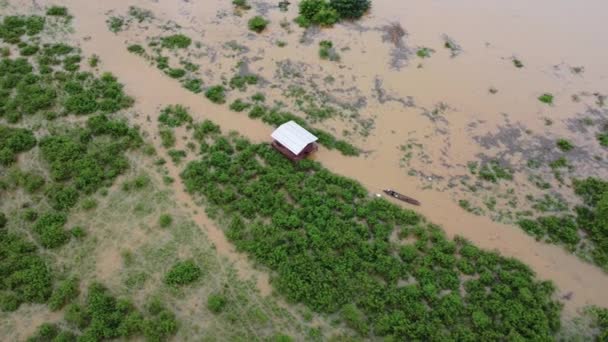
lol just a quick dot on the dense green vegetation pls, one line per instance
(591, 218)
(327, 13)
(182, 273)
(564, 145)
(59, 11)
(176, 41)
(174, 116)
(330, 247)
(103, 317)
(13, 141)
(216, 94)
(26, 276)
(240, 82)
(257, 24)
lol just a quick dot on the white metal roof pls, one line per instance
(293, 136)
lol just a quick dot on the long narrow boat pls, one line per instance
(401, 197)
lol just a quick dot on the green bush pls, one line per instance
(167, 138)
(216, 303)
(216, 94)
(240, 82)
(241, 4)
(14, 141)
(3, 220)
(136, 49)
(49, 230)
(59, 11)
(174, 116)
(64, 293)
(350, 9)
(205, 129)
(176, 41)
(193, 84)
(165, 220)
(239, 105)
(183, 273)
(26, 277)
(175, 73)
(564, 145)
(546, 98)
(257, 24)
(318, 12)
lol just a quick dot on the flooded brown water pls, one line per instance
(549, 37)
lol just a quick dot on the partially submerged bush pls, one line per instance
(546, 98)
(176, 41)
(136, 49)
(257, 23)
(174, 116)
(216, 94)
(59, 11)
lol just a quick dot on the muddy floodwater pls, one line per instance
(420, 121)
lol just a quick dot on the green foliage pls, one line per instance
(492, 171)
(45, 332)
(14, 141)
(326, 51)
(160, 324)
(115, 24)
(58, 11)
(183, 273)
(193, 84)
(205, 129)
(90, 158)
(239, 105)
(63, 294)
(603, 138)
(424, 52)
(165, 220)
(564, 145)
(176, 41)
(240, 82)
(242, 4)
(50, 231)
(330, 246)
(3, 220)
(24, 275)
(174, 116)
(257, 23)
(140, 14)
(136, 49)
(546, 98)
(13, 27)
(216, 303)
(167, 138)
(600, 321)
(175, 73)
(350, 9)
(216, 94)
(317, 12)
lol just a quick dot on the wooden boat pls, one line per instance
(401, 197)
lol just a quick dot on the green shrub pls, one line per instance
(318, 12)
(326, 51)
(49, 230)
(216, 94)
(564, 145)
(239, 105)
(183, 273)
(175, 73)
(3, 220)
(204, 129)
(14, 141)
(258, 97)
(241, 4)
(62, 197)
(257, 24)
(216, 303)
(257, 111)
(165, 220)
(45, 332)
(546, 98)
(424, 52)
(57, 11)
(136, 49)
(603, 139)
(240, 82)
(160, 323)
(64, 293)
(26, 277)
(176, 41)
(115, 24)
(174, 116)
(193, 84)
(167, 138)
(350, 9)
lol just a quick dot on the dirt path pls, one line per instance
(151, 89)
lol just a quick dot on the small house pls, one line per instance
(293, 141)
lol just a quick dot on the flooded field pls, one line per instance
(484, 112)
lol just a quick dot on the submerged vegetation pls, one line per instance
(327, 13)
